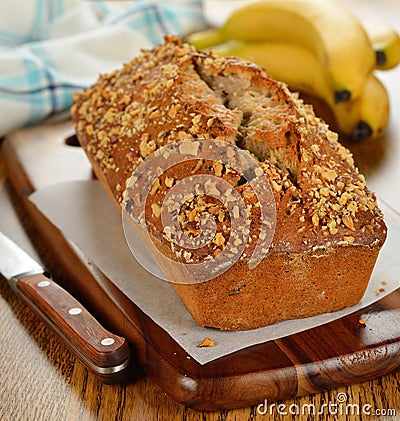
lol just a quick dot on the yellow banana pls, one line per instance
(206, 38)
(386, 43)
(363, 118)
(324, 27)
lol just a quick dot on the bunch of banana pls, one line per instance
(318, 48)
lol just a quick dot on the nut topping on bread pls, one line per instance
(328, 227)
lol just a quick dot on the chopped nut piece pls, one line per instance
(206, 342)
(219, 239)
(349, 239)
(352, 206)
(333, 230)
(154, 187)
(89, 129)
(100, 154)
(156, 209)
(169, 181)
(198, 165)
(248, 194)
(315, 149)
(304, 156)
(218, 169)
(344, 198)
(315, 219)
(348, 221)
(324, 191)
(329, 174)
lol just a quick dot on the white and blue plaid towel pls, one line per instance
(51, 48)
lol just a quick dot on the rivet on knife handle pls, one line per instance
(102, 352)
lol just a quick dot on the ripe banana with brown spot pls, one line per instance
(366, 117)
(328, 30)
(363, 118)
(385, 42)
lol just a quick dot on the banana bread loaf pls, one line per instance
(325, 227)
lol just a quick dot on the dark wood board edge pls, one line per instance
(240, 379)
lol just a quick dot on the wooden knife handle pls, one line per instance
(105, 354)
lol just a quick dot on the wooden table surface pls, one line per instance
(45, 382)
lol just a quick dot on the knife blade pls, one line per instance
(104, 353)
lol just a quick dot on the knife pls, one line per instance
(105, 354)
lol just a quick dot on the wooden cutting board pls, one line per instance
(339, 353)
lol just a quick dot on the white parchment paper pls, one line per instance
(88, 218)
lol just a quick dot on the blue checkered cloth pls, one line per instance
(51, 48)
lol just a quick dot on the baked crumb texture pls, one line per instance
(329, 228)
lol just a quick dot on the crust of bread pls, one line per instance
(328, 229)
(280, 288)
